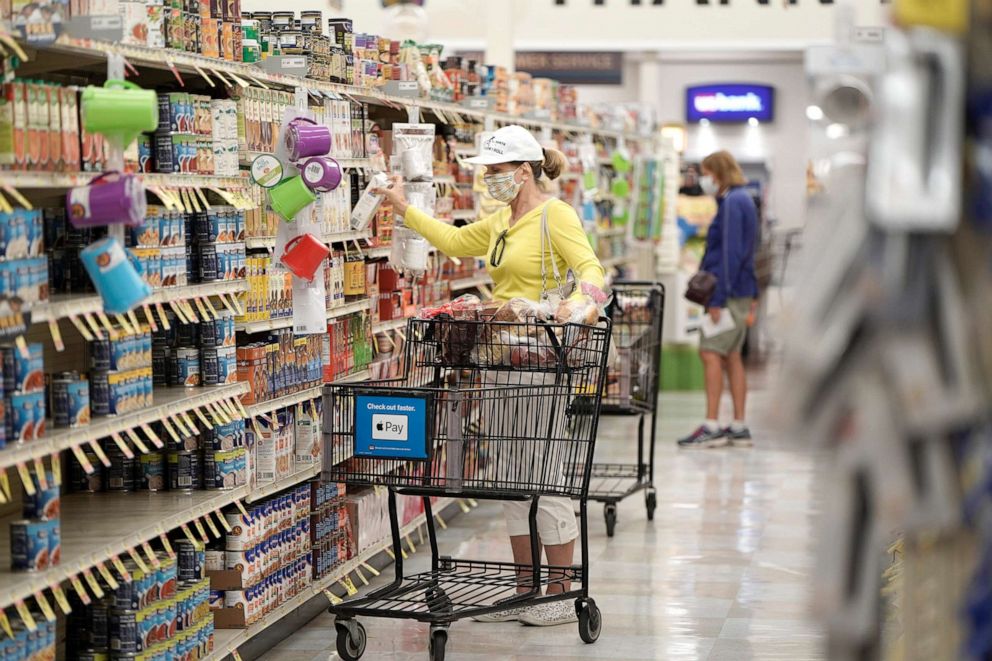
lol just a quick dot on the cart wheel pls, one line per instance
(439, 638)
(438, 601)
(351, 647)
(590, 622)
(651, 502)
(610, 513)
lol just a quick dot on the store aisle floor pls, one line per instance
(722, 574)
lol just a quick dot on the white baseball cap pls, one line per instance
(508, 145)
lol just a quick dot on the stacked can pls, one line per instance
(28, 645)
(69, 399)
(23, 393)
(36, 540)
(120, 379)
(328, 527)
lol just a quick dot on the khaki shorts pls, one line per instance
(555, 519)
(731, 341)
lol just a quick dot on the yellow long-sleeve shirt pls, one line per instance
(519, 272)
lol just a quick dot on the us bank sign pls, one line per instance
(729, 103)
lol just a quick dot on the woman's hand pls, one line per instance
(714, 315)
(394, 194)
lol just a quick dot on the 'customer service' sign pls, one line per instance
(729, 102)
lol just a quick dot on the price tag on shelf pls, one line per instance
(60, 598)
(149, 317)
(133, 318)
(123, 446)
(22, 347)
(210, 524)
(97, 448)
(93, 583)
(217, 413)
(236, 656)
(121, 569)
(180, 425)
(150, 554)
(370, 569)
(111, 331)
(226, 303)
(25, 614)
(138, 560)
(209, 304)
(241, 506)
(81, 592)
(201, 531)
(138, 443)
(26, 481)
(413, 549)
(203, 418)
(349, 586)
(46, 608)
(222, 520)
(361, 576)
(189, 535)
(440, 522)
(81, 327)
(164, 317)
(41, 473)
(56, 333)
(464, 506)
(202, 310)
(57, 469)
(190, 312)
(5, 624)
(166, 545)
(203, 74)
(175, 72)
(150, 433)
(333, 598)
(125, 324)
(189, 422)
(168, 428)
(5, 485)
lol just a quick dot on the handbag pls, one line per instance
(560, 291)
(703, 284)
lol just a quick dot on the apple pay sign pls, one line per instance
(391, 427)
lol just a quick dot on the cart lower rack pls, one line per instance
(637, 311)
(511, 410)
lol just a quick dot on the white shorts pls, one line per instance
(555, 519)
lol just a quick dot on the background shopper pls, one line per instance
(510, 241)
(730, 249)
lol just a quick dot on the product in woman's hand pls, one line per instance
(364, 211)
(580, 310)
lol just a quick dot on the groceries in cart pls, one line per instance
(518, 333)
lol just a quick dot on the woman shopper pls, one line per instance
(730, 246)
(510, 241)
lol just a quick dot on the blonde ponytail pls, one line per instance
(554, 163)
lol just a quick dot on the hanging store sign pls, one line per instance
(570, 68)
(729, 103)
(388, 427)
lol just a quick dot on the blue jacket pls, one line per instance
(739, 281)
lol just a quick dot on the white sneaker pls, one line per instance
(509, 615)
(550, 614)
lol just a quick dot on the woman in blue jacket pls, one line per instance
(730, 246)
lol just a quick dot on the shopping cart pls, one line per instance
(637, 310)
(485, 410)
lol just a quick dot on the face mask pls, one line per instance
(502, 186)
(708, 185)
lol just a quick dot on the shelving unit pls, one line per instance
(167, 402)
(227, 641)
(464, 214)
(269, 242)
(63, 180)
(287, 322)
(385, 326)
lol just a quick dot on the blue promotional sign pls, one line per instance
(388, 427)
(729, 103)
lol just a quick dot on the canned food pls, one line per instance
(189, 561)
(224, 469)
(237, 539)
(44, 503)
(120, 473)
(70, 402)
(167, 578)
(99, 392)
(209, 371)
(124, 636)
(29, 547)
(213, 560)
(152, 471)
(184, 471)
(187, 367)
(101, 353)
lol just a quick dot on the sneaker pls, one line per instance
(509, 615)
(739, 438)
(704, 437)
(550, 614)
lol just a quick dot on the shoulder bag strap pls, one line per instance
(726, 244)
(546, 237)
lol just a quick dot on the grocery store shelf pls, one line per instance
(167, 402)
(392, 324)
(345, 161)
(262, 491)
(84, 51)
(269, 242)
(60, 180)
(378, 252)
(608, 232)
(62, 306)
(357, 377)
(444, 179)
(464, 214)
(470, 283)
(287, 322)
(293, 399)
(104, 525)
(227, 641)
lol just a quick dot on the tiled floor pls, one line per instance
(722, 574)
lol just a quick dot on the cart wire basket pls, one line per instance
(637, 311)
(487, 410)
